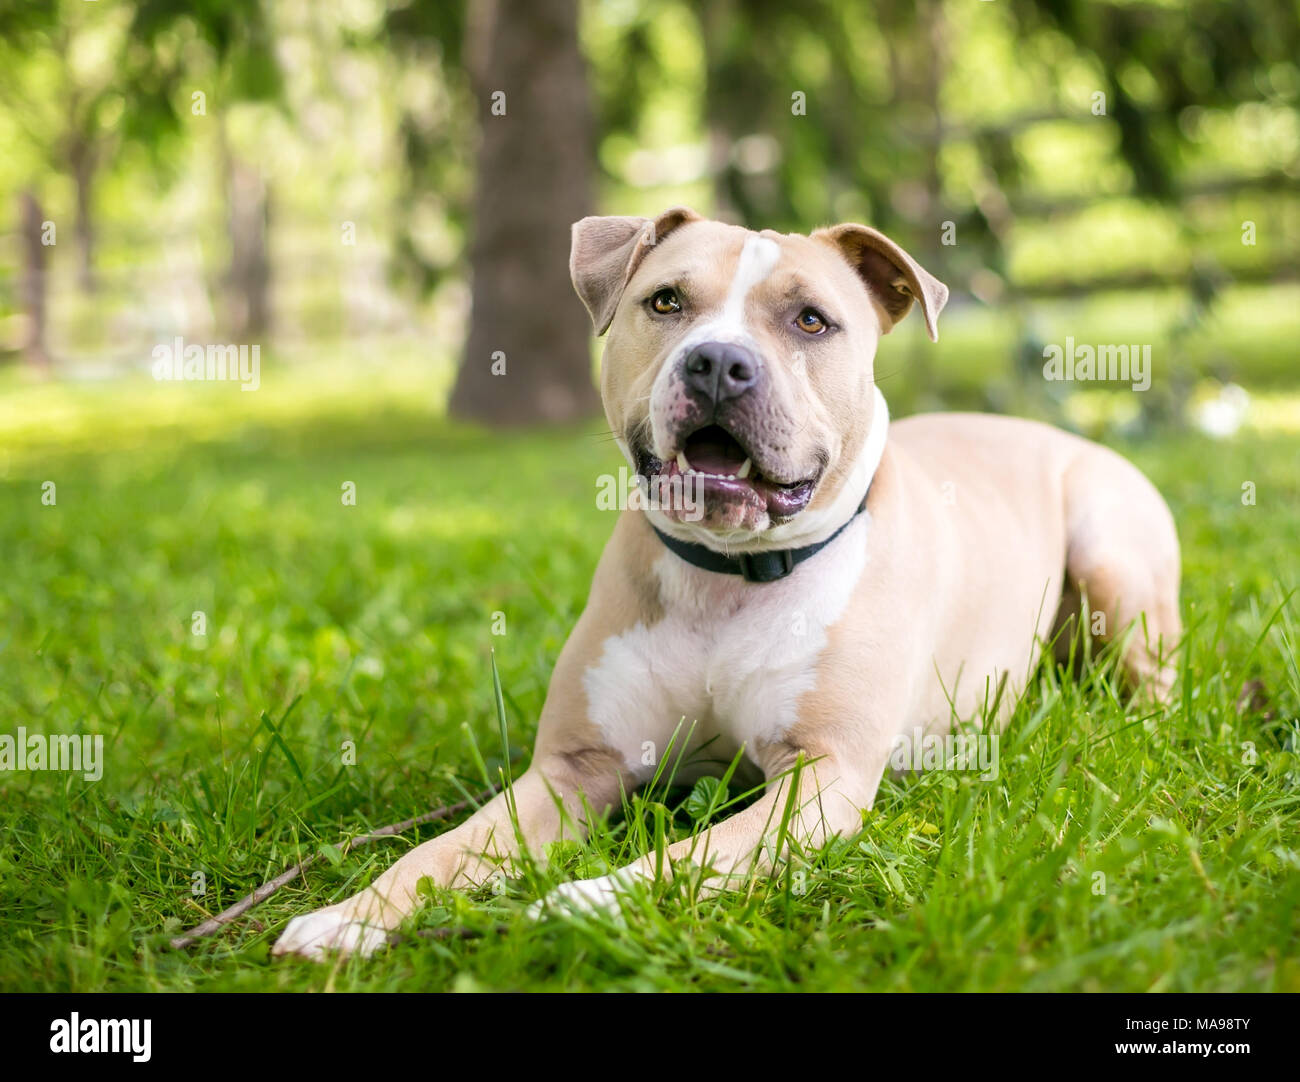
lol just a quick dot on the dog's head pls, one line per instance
(742, 362)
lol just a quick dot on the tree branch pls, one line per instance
(215, 924)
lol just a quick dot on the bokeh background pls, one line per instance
(381, 191)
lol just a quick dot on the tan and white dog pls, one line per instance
(742, 362)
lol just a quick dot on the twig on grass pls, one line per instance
(215, 924)
(455, 932)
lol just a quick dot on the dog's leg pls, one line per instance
(808, 801)
(572, 764)
(1123, 556)
(464, 857)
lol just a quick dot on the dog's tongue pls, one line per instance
(713, 451)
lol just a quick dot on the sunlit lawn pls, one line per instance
(1114, 851)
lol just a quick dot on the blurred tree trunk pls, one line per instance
(81, 164)
(33, 282)
(248, 280)
(534, 180)
(729, 109)
(931, 252)
(79, 156)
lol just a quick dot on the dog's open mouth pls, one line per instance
(715, 466)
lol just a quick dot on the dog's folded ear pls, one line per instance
(893, 277)
(607, 251)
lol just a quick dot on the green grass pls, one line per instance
(373, 624)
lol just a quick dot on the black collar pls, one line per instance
(753, 566)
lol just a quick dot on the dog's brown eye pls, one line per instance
(811, 321)
(666, 302)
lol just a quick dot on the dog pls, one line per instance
(841, 581)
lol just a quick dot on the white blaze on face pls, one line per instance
(758, 259)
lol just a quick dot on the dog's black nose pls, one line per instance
(720, 370)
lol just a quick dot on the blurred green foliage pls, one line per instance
(980, 116)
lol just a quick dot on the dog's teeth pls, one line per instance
(682, 464)
(743, 472)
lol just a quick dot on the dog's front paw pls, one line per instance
(584, 896)
(333, 929)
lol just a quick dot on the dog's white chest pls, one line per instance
(731, 658)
